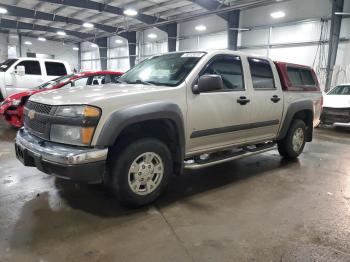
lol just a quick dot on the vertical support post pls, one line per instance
(232, 29)
(171, 30)
(103, 47)
(20, 44)
(131, 36)
(337, 6)
(79, 57)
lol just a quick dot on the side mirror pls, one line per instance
(208, 83)
(20, 70)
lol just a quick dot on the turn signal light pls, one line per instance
(91, 112)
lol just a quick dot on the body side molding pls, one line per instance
(228, 129)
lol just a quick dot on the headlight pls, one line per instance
(85, 119)
(78, 111)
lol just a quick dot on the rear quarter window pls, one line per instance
(301, 78)
(55, 69)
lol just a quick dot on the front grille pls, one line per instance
(337, 111)
(38, 125)
(39, 108)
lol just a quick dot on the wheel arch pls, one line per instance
(303, 110)
(160, 120)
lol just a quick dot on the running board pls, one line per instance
(193, 165)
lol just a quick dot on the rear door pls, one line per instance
(267, 100)
(54, 70)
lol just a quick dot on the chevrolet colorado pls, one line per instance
(176, 111)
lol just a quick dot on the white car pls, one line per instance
(26, 73)
(336, 106)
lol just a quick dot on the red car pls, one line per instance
(12, 107)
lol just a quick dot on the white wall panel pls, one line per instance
(305, 32)
(295, 10)
(300, 55)
(255, 37)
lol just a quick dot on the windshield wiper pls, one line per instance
(139, 81)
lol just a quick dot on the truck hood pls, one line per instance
(336, 101)
(91, 94)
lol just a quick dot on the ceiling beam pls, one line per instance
(13, 24)
(101, 7)
(211, 5)
(38, 15)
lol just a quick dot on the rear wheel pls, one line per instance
(294, 142)
(141, 172)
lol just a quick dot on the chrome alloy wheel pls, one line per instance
(146, 173)
(298, 139)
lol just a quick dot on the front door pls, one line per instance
(31, 79)
(215, 118)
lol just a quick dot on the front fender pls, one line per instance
(119, 120)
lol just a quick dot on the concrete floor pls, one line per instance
(260, 208)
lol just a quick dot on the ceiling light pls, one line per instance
(200, 28)
(75, 48)
(152, 36)
(94, 45)
(42, 39)
(118, 41)
(88, 25)
(130, 12)
(278, 14)
(3, 10)
(28, 43)
(61, 33)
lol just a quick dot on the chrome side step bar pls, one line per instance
(193, 165)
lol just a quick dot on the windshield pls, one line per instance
(168, 70)
(55, 82)
(5, 65)
(340, 90)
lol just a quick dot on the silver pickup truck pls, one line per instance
(176, 111)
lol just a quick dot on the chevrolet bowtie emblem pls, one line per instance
(31, 114)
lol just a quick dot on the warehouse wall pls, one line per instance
(294, 38)
(10, 47)
(57, 50)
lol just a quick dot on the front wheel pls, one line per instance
(294, 142)
(141, 172)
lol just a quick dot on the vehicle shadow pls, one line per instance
(97, 200)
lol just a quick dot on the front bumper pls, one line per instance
(69, 162)
(336, 116)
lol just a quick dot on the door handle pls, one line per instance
(242, 100)
(275, 99)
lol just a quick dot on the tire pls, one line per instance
(294, 142)
(144, 184)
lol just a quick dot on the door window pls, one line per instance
(31, 67)
(55, 69)
(230, 69)
(261, 72)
